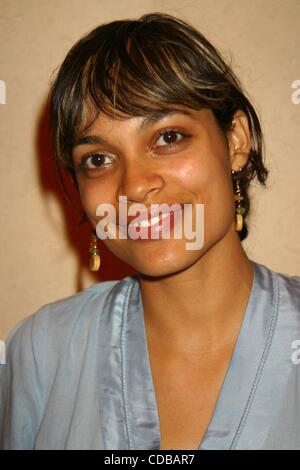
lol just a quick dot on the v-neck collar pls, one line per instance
(238, 390)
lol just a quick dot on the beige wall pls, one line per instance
(43, 257)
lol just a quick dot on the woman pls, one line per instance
(200, 349)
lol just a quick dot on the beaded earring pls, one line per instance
(239, 209)
(94, 260)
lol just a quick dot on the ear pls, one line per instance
(238, 138)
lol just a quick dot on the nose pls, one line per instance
(139, 181)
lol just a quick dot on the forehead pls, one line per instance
(105, 129)
(142, 123)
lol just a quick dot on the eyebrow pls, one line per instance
(147, 122)
(160, 114)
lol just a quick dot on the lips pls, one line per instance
(149, 221)
(160, 225)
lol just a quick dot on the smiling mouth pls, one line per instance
(149, 222)
(155, 227)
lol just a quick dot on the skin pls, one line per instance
(193, 300)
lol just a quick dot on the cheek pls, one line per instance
(92, 194)
(205, 177)
(193, 173)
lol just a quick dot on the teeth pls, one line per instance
(146, 223)
(153, 221)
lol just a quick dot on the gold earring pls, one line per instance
(239, 209)
(95, 260)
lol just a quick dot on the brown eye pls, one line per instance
(169, 137)
(94, 161)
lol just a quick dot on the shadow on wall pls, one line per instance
(77, 236)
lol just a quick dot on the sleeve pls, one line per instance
(20, 391)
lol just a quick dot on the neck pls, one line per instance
(201, 307)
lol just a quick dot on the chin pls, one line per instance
(154, 258)
(163, 267)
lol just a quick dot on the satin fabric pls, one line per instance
(78, 374)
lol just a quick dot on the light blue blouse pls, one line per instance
(78, 374)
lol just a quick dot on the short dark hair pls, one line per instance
(133, 67)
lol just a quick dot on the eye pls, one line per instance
(169, 136)
(94, 161)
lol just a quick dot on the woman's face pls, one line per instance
(181, 158)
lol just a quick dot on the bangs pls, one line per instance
(132, 68)
(135, 72)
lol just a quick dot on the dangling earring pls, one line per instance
(95, 260)
(239, 209)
